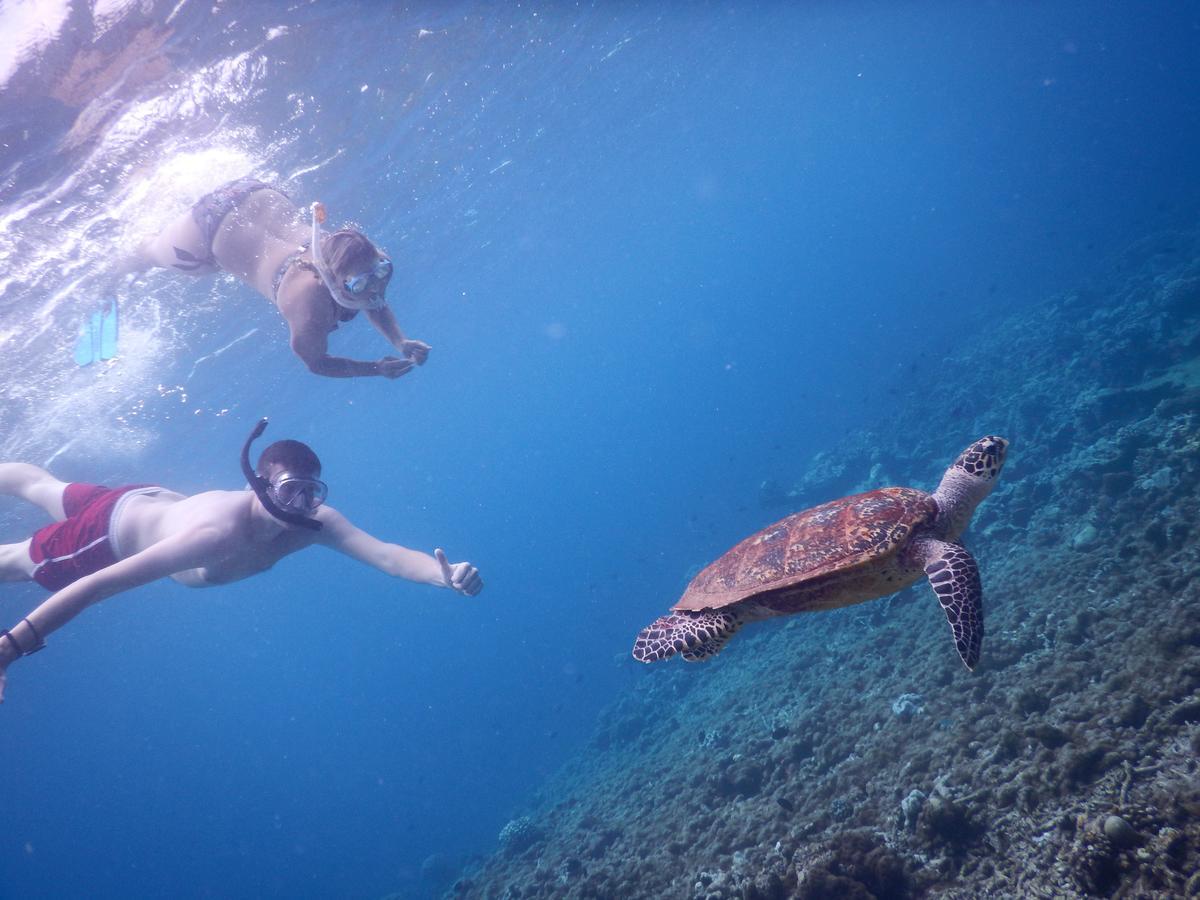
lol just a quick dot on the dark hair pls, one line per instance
(348, 252)
(293, 456)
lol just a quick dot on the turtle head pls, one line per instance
(969, 479)
(984, 458)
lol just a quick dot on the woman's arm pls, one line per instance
(310, 342)
(395, 560)
(385, 323)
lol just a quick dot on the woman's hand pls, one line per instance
(417, 351)
(391, 367)
(462, 577)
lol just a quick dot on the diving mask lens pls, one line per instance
(381, 271)
(299, 493)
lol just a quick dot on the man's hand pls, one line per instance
(462, 577)
(3, 682)
(417, 351)
(391, 367)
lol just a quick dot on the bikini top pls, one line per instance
(342, 313)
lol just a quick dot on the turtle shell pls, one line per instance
(839, 536)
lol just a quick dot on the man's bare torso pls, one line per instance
(249, 542)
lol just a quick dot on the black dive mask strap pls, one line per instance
(261, 486)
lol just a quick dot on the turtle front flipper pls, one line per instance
(695, 635)
(954, 576)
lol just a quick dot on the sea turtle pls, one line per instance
(846, 551)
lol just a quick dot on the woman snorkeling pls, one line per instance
(317, 280)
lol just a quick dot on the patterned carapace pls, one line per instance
(840, 535)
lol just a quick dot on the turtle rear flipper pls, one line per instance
(695, 635)
(954, 576)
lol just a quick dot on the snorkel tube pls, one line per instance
(260, 486)
(331, 285)
(318, 216)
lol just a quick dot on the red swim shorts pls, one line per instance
(79, 545)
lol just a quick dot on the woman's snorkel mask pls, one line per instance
(352, 293)
(262, 487)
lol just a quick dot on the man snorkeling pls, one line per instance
(105, 541)
(317, 281)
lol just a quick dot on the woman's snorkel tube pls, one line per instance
(318, 216)
(261, 486)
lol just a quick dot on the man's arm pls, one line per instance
(385, 323)
(393, 559)
(185, 550)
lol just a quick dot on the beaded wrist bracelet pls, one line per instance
(21, 651)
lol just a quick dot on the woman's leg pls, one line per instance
(35, 485)
(180, 246)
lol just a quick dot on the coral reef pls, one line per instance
(848, 754)
(518, 835)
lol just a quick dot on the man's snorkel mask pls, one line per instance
(262, 487)
(344, 295)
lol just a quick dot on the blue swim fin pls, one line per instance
(108, 329)
(98, 335)
(88, 345)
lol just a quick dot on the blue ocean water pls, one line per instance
(663, 253)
